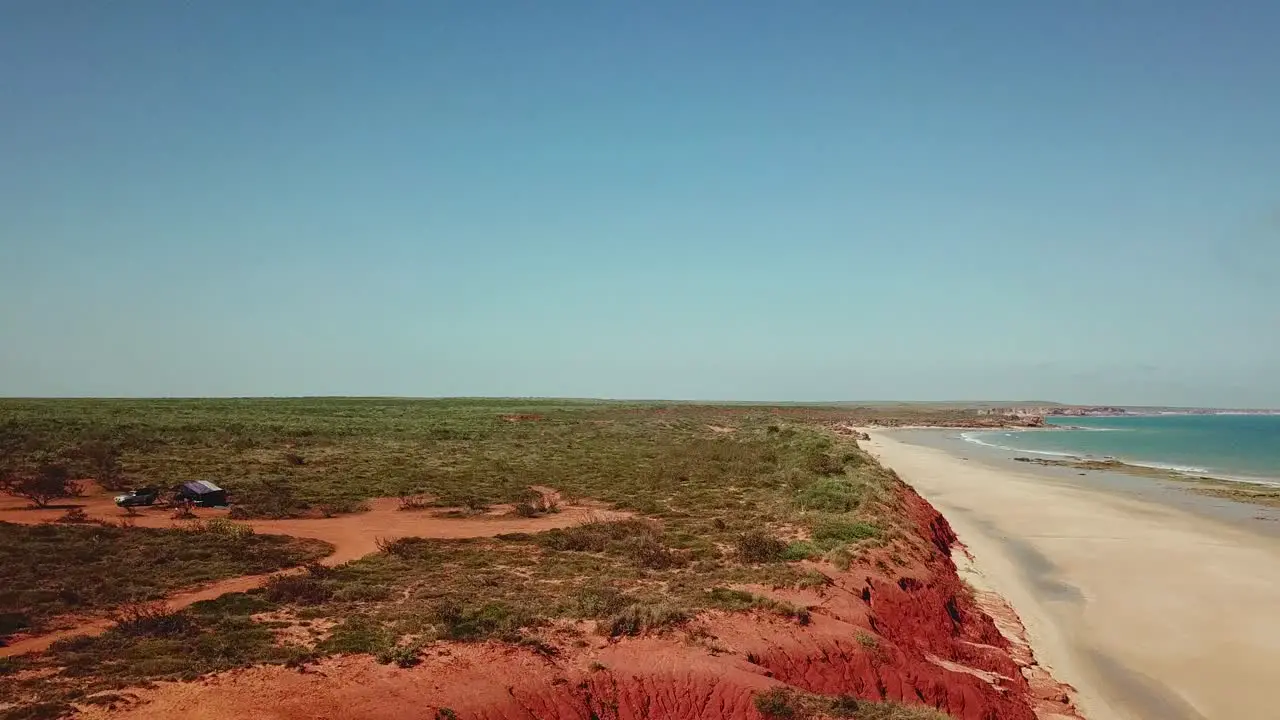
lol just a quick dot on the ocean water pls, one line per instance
(1232, 446)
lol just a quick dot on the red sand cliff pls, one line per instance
(913, 634)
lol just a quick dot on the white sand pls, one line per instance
(1150, 612)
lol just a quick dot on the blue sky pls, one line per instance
(747, 200)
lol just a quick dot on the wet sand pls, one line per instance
(1154, 603)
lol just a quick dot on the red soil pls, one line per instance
(352, 537)
(917, 637)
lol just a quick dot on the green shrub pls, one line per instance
(270, 498)
(832, 495)
(11, 665)
(235, 604)
(362, 593)
(600, 535)
(489, 620)
(600, 601)
(834, 532)
(639, 618)
(297, 589)
(779, 703)
(758, 546)
(223, 527)
(801, 550)
(731, 599)
(822, 463)
(12, 622)
(151, 620)
(649, 552)
(640, 540)
(739, 600)
(405, 656)
(357, 634)
(75, 516)
(405, 547)
(782, 703)
(812, 579)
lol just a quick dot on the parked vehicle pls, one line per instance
(141, 496)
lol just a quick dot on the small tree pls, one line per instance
(49, 482)
(101, 461)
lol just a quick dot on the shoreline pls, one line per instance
(1146, 609)
(1117, 464)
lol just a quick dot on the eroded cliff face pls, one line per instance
(884, 629)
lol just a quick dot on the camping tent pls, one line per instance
(202, 493)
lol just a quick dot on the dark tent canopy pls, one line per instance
(202, 493)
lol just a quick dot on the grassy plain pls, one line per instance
(723, 496)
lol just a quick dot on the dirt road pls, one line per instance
(352, 537)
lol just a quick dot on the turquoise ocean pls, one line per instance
(1244, 447)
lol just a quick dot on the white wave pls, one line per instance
(971, 437)
(1174, 468)
(1187, 469)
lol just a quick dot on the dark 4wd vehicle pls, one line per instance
(134, 498)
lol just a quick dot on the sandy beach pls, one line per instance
(1149, 611)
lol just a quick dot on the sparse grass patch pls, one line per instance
(221, 526)
(641, 540)
(780, 704)
(405, 656)
(151, 620)
(488, 620)
(298, 589)
(536, 508)
(47, 570)
(740, 600)
(831, 533)
(785, 703)
(757, 546)
(11, 665)
(358, 634)
(413, 502)
(801, 550)
(831, 495)
(362, 593)
(641, 618)
(74, 516)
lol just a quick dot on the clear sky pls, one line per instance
(1075, 201)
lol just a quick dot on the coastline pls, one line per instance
(1118, 464)
(1146, 609)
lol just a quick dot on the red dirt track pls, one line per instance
(352, 537)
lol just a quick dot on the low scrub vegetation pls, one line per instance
(298, 589)
(830, 533)
(151, 619)
(739, 600)
(832, 495)
(757, 546)
(784, 703)
(639, 618)
(640, 540)
(41, 486)
(48, 570)
(740, 506)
